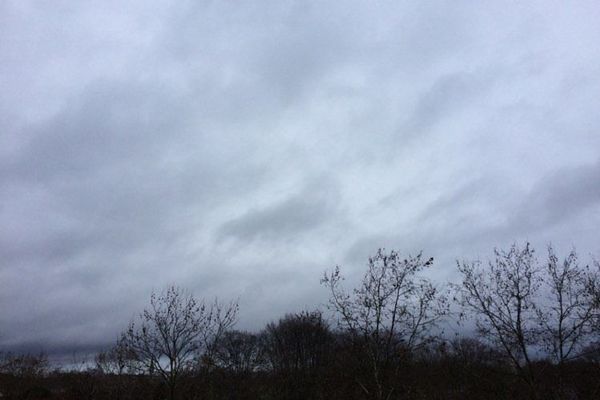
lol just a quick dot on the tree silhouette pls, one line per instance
(169, 336)
(391, 312)
(502, 297)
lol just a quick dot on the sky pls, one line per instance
(241, 149)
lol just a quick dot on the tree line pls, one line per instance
(536, 335)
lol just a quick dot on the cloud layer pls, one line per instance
(241, 150)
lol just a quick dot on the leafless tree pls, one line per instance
(593, 288)
(502, 299)
(298, 343)
(26, 371)
(24, 365)
(298, 352)
(393, 310)
(239, 352)
(170, 335)
(567, 315)
(118, 360)
(115, 367)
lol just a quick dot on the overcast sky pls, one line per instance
(240, 149)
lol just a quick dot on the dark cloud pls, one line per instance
(448, 94)
(559, 196)
(302, 212)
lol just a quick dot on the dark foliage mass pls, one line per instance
(537, 337)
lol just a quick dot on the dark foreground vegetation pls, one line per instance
(537, 322)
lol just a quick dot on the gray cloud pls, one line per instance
(240, 150)
(302, 212)
(558, 197)
(448, 94)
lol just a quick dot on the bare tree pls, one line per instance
(26, 371)
(169, 335)
(222, 317)
(115, 368)
(117, 360)
(239, 352)
(522, 307)
(593, 288)
(502, 298)
(24, 365)
(298, 343)
(393, 310)
(566, 317)
(299, 352)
